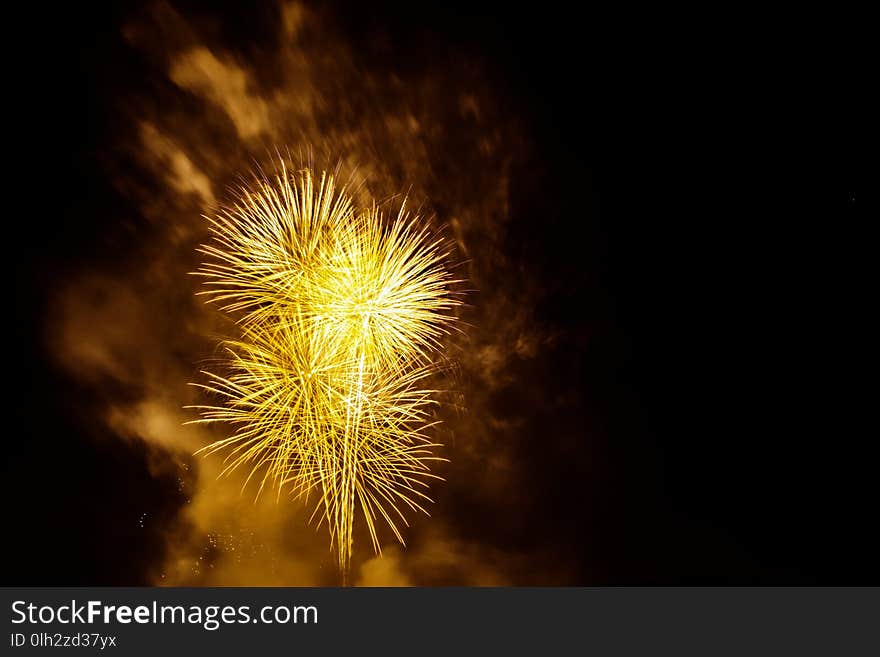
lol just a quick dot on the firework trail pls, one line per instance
(342, 312)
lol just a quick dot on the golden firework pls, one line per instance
(342, 314)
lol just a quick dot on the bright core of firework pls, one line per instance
(342, 312)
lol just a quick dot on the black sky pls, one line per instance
(715, 308)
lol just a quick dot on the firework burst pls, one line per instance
(342, 315)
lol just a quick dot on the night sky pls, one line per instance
(668, 377)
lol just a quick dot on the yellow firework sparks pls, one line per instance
(342, 315)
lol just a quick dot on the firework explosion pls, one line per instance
(342, 313)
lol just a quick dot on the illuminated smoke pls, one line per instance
(130, 329)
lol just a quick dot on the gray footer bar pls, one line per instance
(460, 621)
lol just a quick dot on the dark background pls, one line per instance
(724, 162)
